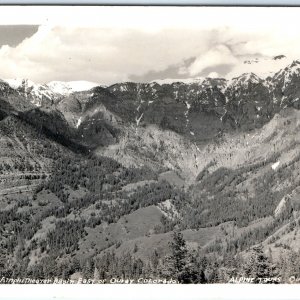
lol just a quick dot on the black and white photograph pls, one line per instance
(149, 145)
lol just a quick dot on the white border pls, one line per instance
(150, 292)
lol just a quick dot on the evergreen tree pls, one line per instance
(289, 265)
(179, 264)
(258, 266)
(96, 274)
(88, 268)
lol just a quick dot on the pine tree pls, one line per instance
(289, 265)
(96, 274)
(3, 261)
(88, 268)
(179, 264)
(258, 266)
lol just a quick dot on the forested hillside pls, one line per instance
(192, 182)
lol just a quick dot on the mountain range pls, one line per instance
(88, 171)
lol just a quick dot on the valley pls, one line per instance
(95, 180)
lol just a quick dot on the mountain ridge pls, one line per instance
(113, 170)
(67, 87)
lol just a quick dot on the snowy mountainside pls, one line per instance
(43, 94)
(66, 88)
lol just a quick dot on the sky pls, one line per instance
(114, 44)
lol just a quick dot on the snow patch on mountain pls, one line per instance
(66, 88)
(18, 82)
(79, 122)
(244, 80)
(275, 165)
(281, 205)
(36, 92)
(53, 90)
(288, 73)
(188, 105)
(138, 120)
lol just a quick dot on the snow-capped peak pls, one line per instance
(262, 67)
(244, 80)
(16, 83)
(293, 67)
(35, 91)
(52, 90)
(249, 77)
(65, 88)
(288, 73)
(56, 87)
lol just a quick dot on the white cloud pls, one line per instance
(95, 54)
(215, 56)
(108, 44)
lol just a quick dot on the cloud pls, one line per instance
(101, 55)
(118, 44)
(173, 71)
(218, 55)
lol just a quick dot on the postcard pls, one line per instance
(149, 145)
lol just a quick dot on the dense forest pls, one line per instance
(100, 182)
(180, 266)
